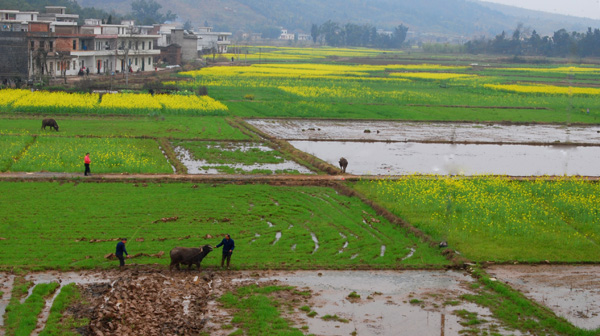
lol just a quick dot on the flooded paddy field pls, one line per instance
(403, 158)
(385, 302)
(230, 164)
(402, 148)
(572, 292)
(397, 131)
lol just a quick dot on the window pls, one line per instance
(136, 45)
(57, 66)
(129, 45)
(51, 45)
(74, 44)
(136, 61)
(42, 45)
(149, 60)
(149, 44)
(32, 44)
(74, 64)
(143, 45)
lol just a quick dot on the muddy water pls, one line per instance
(572, 292)
(384, 306)
(6, 284)
(426, 131)
(203, 167)
(403, 158)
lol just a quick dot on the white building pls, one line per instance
(14, 20)
(285, 35)
(209, 40)
(114, 48)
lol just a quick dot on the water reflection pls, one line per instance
(446, 159)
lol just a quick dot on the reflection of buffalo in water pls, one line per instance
(343, 164)
(49, 123)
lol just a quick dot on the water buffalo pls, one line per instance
(49, 123)
(188, 256)
(343, 164)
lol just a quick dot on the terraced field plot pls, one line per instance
(497, 219)
(274, 227)
(177, 127)
(109, 155)
(403, 91)
(234, 158)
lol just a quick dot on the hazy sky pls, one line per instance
(583, 8)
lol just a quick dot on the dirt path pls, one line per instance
(210, 178)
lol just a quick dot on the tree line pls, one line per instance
(353, 35)
(521, 43)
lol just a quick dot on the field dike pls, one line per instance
(283, 146)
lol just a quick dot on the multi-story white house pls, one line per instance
(14, 20)
(209, 40)
(113, 48)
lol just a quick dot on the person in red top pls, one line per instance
(86, 162)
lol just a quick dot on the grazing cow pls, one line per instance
(343, 164)
(188, 256)
(49, 123)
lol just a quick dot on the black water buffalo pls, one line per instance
(188, 256)
(49, 123)
(343, 164)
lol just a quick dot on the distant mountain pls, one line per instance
(450, 18)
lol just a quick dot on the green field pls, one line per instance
(498, 219)
(54, 225)
(426, 91)
(109, 155)
(175, 127)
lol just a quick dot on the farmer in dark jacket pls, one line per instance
(120, 250)
(228, 246)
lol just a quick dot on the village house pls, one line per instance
(52, 44)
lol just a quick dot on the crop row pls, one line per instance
(115, 103)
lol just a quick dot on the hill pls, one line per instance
(463, 19)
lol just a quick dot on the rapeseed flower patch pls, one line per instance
(8, 96)
(496, 218)
(200, 105)
(545, 89)
(57, 102)
(431, 75)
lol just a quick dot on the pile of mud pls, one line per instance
(146, 302)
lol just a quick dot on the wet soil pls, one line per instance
(203, 167)
(147, 300)
(572, 292)
(390, 302)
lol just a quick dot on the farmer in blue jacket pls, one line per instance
(228, 246)
(120, 250)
